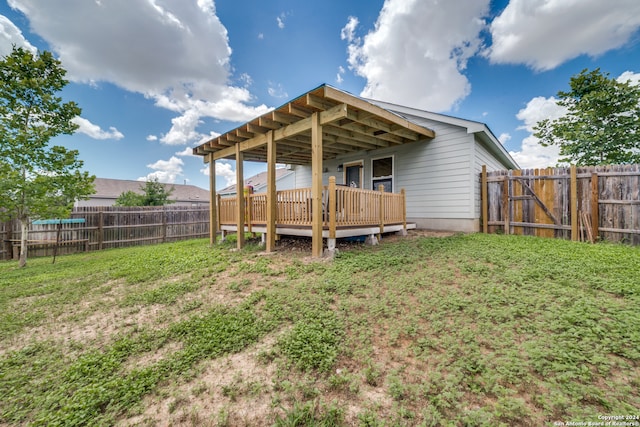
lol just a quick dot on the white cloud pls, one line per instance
(277, 91)
(629, 76)
(183, 128)
(152, 138)
(11, 35)
(166, 171)
(177, 53)
(348, 32)
(532, 154)
(545, 33)
(246, 79)
(341, 71)
(223, 170)
(187, 152)
(504, 138)
(94, 131)
(417, 51)
(281, 18)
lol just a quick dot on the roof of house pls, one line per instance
(258, 180)
(349, 123)
(112, 188)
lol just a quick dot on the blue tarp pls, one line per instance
(59, 221)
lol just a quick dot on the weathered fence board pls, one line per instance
(110, 227)
(565, 202)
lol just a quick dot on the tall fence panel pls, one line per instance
(109, 227)
(579, 203)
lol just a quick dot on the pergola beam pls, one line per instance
(363, 105)
(336, 113)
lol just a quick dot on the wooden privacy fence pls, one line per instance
(110, 227)
(579, 203)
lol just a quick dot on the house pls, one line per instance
(342, 148)
(108, 190)
(285, 179)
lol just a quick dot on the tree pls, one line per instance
(602, 125)
(154, 194)
(130, 198)
(38, 180)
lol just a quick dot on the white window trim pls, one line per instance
(393, 172)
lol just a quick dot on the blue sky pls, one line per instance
(155, 78)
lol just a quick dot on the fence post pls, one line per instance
(100, 229)
(333, 211)
(217, 208)
(505, 204)
(164, 224)
(573, 197)
(8, 229)
(381, 198)
(485, 201)
(595, 206)
(404, 211)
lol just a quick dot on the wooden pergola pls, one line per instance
(322, 124)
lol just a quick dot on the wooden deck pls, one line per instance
(346, 212)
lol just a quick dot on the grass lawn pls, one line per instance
(462, 330)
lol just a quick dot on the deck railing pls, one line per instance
(354, 207)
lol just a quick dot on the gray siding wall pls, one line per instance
(436, 174)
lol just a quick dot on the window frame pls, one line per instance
(392, 176)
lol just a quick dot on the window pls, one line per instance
(382, 173)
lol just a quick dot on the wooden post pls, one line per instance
(573, 197)
(239, 197)
(316, 186)
(332, 207)
(381, 203)
(249, 207)
(164, 224)
(506, 208)
(271, 193)
(100, 229)
(485, 202)
(9, 236)
(218, 205)
(332, 213)
(404, 210)
(213, 208)
(595, 206)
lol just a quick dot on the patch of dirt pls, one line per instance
(99, 317)
(232, 390)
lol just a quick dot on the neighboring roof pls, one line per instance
(112, 188)
(258, 180)
(478, 128)
(349, 124)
